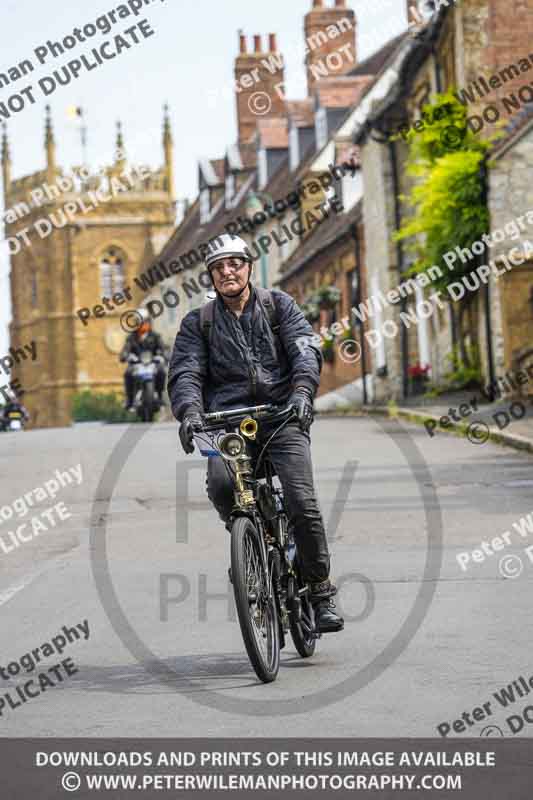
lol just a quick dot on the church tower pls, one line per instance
(75, 238)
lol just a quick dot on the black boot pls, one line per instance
(326, 618)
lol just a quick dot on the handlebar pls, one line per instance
(218, 420)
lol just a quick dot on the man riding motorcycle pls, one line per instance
(12, 407)
(241, 364)
(144, 338)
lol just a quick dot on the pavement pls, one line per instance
(509, 421)
(142, 561)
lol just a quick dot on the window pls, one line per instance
(294, 155)
(321, 128)
(205, 205)
(111, 272)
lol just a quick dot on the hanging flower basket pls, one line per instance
(311, 311)
(327, 297)
(419, 378)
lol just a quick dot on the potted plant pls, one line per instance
(419, 377)
(327, 297)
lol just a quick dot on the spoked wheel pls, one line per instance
(301, 618)
(256, 606)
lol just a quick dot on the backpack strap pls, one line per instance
(207, 312)
(266, 299)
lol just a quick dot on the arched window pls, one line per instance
(111, 272)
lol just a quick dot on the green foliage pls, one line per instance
(328, 351)
(447, 161)
(461, 375)
(310, 311)
(90, 406)
(327, 296)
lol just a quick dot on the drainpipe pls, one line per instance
(360, 322)
(399, 261)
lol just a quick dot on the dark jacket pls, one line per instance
(133, 345)
(241, 367)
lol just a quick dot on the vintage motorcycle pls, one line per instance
(270, 595)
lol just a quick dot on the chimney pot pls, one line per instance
(272, 43)
(257, 43)
(340, 3)
(317, 4)
(242, 42)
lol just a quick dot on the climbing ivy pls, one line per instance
(447, 201)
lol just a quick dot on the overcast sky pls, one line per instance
(187, 63)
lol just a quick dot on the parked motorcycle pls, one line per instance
(146, 401)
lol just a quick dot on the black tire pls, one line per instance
(247, 572)
(148, 401)
(301, 621)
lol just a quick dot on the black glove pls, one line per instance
(190, 419)
(302, 402)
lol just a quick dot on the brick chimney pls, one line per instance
(259, 84)
(329, 40)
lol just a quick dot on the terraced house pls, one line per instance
(291, 185)
(316, 187)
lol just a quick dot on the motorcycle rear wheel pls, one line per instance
(256, 606)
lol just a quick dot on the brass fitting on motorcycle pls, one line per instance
(248, 428)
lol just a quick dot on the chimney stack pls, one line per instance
(329, 55)
(259, 85)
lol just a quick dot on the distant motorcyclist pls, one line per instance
(141, 340)
(12, 407)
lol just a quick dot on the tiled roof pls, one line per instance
(341, 92)
(374, 63)
(322, 237)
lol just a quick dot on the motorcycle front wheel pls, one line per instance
(256, 606)
(147, 409)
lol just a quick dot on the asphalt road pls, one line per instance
(424, 640)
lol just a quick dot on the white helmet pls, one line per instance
(227, 246)
(143, 314)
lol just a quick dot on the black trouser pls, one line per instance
(290, 453)
(129, 382)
